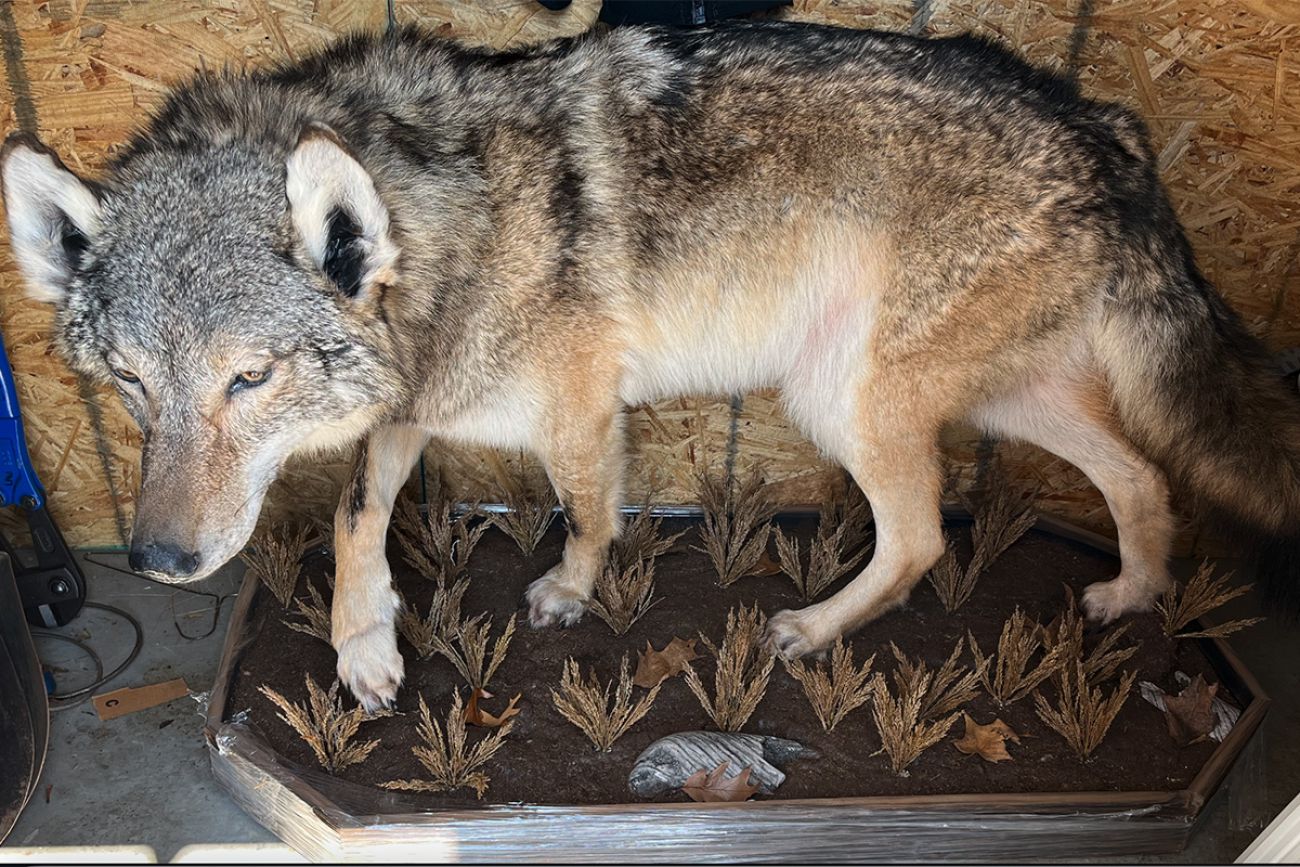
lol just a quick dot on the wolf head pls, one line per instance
(230, 293)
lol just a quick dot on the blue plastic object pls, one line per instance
(18, 483)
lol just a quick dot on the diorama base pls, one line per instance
(552, 797)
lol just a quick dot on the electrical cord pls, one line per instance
(85, 648)
(100, 677)
(217, 599)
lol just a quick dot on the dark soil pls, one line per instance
(546, 760)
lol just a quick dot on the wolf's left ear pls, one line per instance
(338, 213)
(52, 213)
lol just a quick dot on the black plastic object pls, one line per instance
(672, 11)
(24, 710)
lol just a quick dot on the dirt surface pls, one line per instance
(546, 760)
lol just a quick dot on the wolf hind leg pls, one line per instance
(1067, 413)
(364, 612)
(892, 453)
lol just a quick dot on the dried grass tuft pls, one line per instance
(849, 507)
(827, 561)
(1180, 605)
(1010, 679)
(275, 557)
(736, 527)
(743, 669)
(948, 688)
(642, 539)
(905, 730)
(316, 613)
(531, 511)
(1083, 714)
(437, 544)
(952, 583)
(440, 622)
(324, 725)
(446, 758)
(1000, 520)
(836, 689)
(589, 706)
(622, 599)
(1066, 635)
(467, 649)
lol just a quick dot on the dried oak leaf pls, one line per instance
(765, 566)
(1190, 714)
(653, 667)
(715, 785)
(476, 716)
(987, 741)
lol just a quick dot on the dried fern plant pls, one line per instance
(827, 561)
(602, 717)
(324, 725)
(1066, 636)
(440, 622)
(622, 599)
(1009, 679)
(1083, 713)
(447, 759)
(836, 689)
(1180, 605)
(437, 544)
(904, 730)
(743, 669)
(736, 528)
(530, 510)
(275, 557)
(946, 689)
(467, 649)
(316, 614)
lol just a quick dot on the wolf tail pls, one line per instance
(1201, 397)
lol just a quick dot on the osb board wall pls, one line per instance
(1219, 82)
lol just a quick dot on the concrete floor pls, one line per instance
(143, 779)
(140, 779)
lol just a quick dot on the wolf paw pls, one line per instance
(552, 601)
(1107, 601)
(370, 665)
(792, 634)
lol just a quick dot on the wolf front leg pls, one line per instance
(584, 458)
(364, 614)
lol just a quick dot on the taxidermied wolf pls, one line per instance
(401, 238)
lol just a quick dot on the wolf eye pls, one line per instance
(249, 379)
(125, 375)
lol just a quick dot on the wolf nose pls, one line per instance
(163, 558)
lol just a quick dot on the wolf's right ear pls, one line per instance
(52, 213)
(338, 214)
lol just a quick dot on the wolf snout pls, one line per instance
(163, 559)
